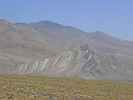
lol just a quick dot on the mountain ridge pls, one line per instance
(49, 48)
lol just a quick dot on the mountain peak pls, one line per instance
(3, 21)
(46, 24)
(100, 33)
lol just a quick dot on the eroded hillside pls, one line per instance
(49, 48)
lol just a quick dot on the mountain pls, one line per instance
(49, 48)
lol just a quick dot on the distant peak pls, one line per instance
(21, 24)
(46, 22)
(100, 33)
(97, 31)
(3, 21)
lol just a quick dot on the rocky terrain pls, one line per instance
(48, 48)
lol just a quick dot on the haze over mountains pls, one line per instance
(49, 48)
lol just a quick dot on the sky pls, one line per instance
(114, 17)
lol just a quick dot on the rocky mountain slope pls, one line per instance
(49, 48)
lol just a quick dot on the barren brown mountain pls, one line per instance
(49, 48)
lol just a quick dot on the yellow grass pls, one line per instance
(46, 88)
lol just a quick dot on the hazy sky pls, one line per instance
(111, 16)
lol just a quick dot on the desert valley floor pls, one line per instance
(16, 87)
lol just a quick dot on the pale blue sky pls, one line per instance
(112, 16)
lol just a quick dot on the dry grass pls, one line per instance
(46, 88)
